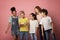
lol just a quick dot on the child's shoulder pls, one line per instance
(48, 17)
(10, 16)
(26, 18)
(35, 20)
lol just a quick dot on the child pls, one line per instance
(23, 22)
(46, 23)
(37, 10)
(13, 22)
(33, 26)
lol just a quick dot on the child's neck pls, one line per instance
(14, 15)
(38, 13)
(23, 17)
(32, 19)
(45, 15)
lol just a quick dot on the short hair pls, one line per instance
(44, 11)
(13, 9)
(22, 12)
(33, 15)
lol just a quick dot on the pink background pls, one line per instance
(53, 6)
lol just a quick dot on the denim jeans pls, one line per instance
(24, 34)
(47, 34)
(33, 36)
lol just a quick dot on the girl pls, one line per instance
(13, 22)
(37, 10)
(33, 26)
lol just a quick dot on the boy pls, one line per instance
(13, 22)
(46, 23)
(23, 22)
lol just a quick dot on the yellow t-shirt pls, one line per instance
(23, 28)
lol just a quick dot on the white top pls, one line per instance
(46, 22)
(39, 17)
(33, 25)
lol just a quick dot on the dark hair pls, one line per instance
(22, 12)
(33, 15)
(13, 9)
(44, 11)
(39, 9)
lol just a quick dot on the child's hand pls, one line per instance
(52, 30)
(42, 34)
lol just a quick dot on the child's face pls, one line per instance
(22, 15)
(42, 14)
(14, 13)
(36, 10)
(31, 17)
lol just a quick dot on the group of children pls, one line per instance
(22, 26)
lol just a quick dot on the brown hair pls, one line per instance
(22, 12)
(39, 9)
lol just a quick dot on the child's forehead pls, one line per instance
(42, 12)
(22, 13)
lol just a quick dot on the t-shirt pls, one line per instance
(46, 22)
(33, 25)
(22, 21)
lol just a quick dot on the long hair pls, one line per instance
(38, 8)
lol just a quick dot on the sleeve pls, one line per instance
(10, 20)
(36, 23)
(19, 21)
(41, 22)
(50, 19)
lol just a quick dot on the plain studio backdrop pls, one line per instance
(53, 7)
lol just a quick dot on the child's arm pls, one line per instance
(22, 24)
(51, 23)
(19, 22)
(42, 30)
(28, 25)
(36, 30)
(36, 26)
(52, 26)
(41, 23)
(9, 25)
